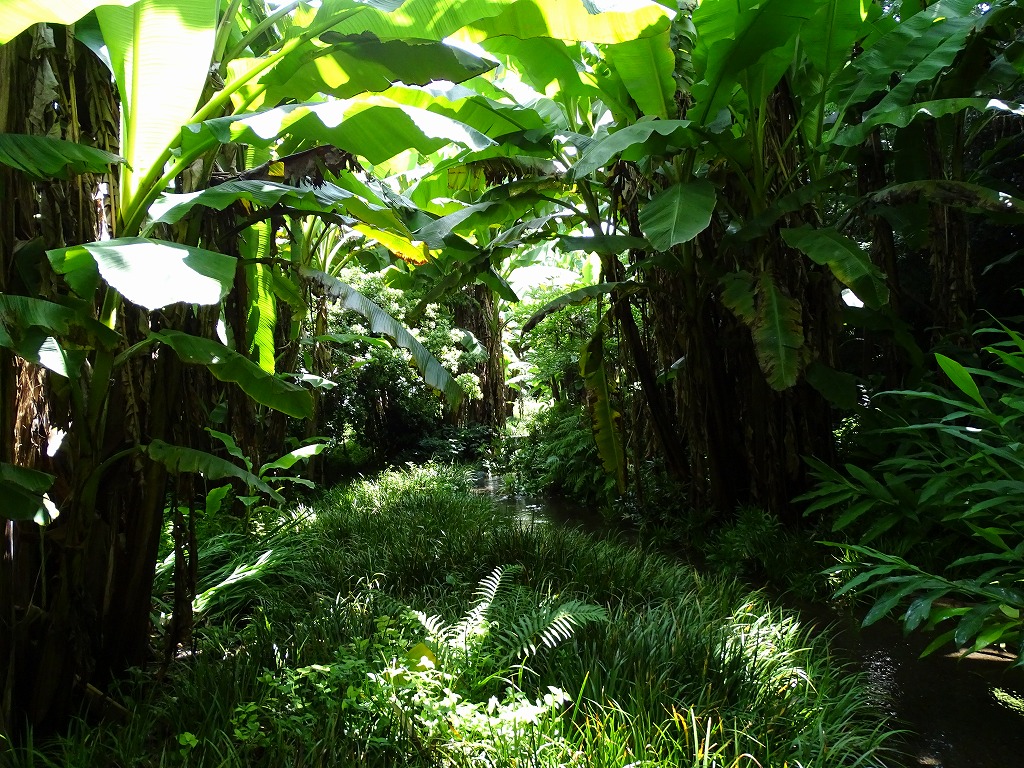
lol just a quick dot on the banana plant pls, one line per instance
(151, 297)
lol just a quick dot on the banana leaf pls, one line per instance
(42, 158)
(229, 366)
(178, 459)
(604, 418)
(151, 273)
(778, 334)
(434, 374)
(577, 298)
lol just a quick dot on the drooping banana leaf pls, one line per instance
(918, 49)
(579, 297)
(678, 214)
(178, 459)
(903, 116)
(605, 420)
(328, 198)
(19, 15)
(261, 319)
(847, 260)
(354, 125)
(291, 458)
(227, 365)
(739, 295)
(24, 494)
(150, 273)
(34, 330)
(434, 374)
(161, 52)
(778, 334)
(958, 194)
(44, 158)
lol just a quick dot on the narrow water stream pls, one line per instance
(958, 712)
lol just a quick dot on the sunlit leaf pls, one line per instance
(160, 87)
(635, 142)
(151, 273)
(353, 125)
(19, 15)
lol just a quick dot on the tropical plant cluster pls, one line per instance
(181, 236)
(425, 627)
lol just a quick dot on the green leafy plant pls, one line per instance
(950, 498)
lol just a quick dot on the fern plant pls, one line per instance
(477, 641)
(444, 692)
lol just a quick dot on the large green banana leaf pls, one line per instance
(178, 459)
(150, 273)
(742, 41)
(327, 198)
(778, 334)
(360, 64)
(678, 214)
(44, 158)
(847, 260)
(34, 330)
(645, 66)
(19, 15)
(229, 366)
(605, 419)
(918, 48)
(479, 19)
(904, 116)
(372, 127)
(161, 52)
(434, 374)
(492, 118)
(613, 22)
(635, 142)
(24, 494)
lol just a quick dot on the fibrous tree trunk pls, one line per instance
(477, 312)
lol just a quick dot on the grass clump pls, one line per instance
(415, 625)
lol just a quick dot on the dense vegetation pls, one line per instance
(406, 622)
(742, 273)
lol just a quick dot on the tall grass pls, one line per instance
(390, 632)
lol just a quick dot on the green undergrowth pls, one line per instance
(406, 622)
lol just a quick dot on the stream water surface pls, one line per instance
(958, 712)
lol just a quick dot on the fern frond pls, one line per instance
(549, 626)
(434, 625)
(474, 623)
